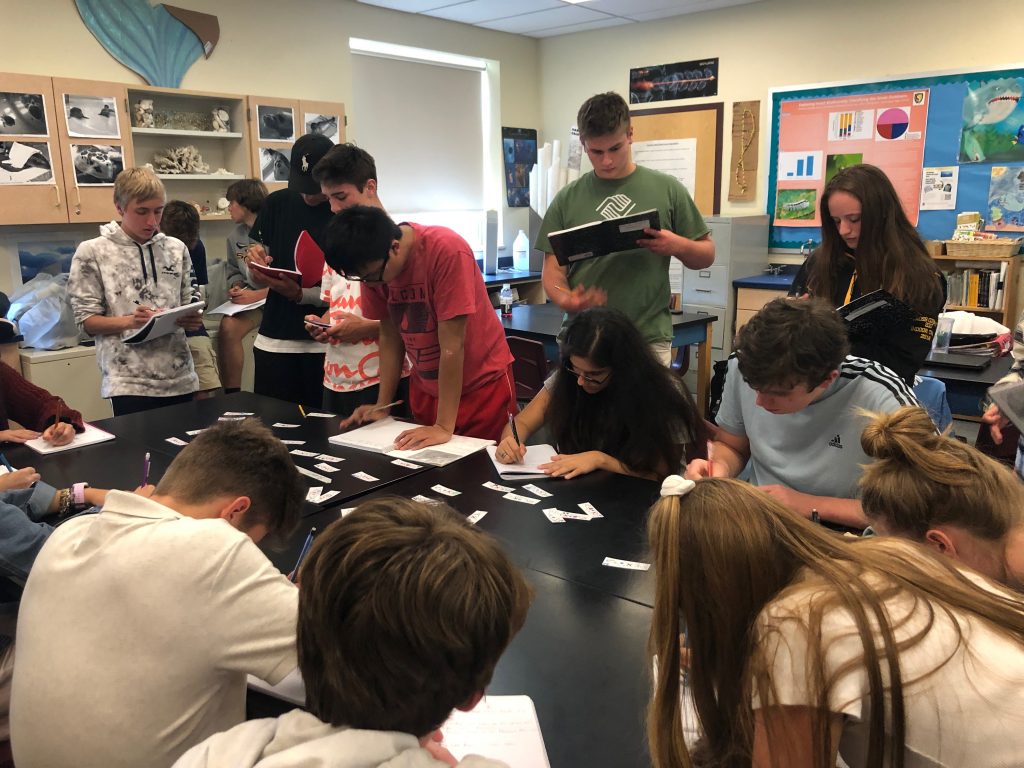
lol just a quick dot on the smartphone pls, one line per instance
(318, 323)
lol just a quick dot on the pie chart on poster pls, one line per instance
(893, 123)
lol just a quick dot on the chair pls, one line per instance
(931, 394)
(529, 366)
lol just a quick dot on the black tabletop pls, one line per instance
(984, 378)
(546, 319)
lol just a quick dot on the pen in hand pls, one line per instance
(302, 554)
(6, 463)
(512, 426)
(145, 470)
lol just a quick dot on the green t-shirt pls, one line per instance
(636, 281)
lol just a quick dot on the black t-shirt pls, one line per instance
(282, 219)
(901, 349)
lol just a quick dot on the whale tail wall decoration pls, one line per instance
(148, 39)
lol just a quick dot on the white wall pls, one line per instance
(778, 43)
(297, 49)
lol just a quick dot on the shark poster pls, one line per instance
(993, 122)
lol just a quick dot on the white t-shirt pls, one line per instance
(968, 713)
(136, 631)
(347, 366)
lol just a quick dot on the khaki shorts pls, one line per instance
(204, 361)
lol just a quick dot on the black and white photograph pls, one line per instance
(96, 164)
(322, 125)
(92, 116)
(22, 114)
(274, 163)
(25, 163)
(276, 123)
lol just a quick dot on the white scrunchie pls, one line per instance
(676, 485)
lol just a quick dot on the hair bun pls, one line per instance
(899, 434)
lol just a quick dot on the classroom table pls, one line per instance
(542, 322)
(581, 655)
(966, 389)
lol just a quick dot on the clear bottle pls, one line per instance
(505, 297)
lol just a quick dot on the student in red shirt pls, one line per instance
(424, 286)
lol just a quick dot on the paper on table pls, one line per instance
(229, 308)
(530, 468)
(379, 437)
(501, 728)
(90, 436)
(163, 323)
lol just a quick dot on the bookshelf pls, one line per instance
(968, 283)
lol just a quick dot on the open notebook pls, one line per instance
(499, 727)
(90, 436)
(530, 468)
(379, 437)
(162, 323)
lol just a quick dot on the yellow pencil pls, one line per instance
(302, 411)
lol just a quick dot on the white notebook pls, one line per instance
(230, 308)
(90, 436)
(379, 437)
(529, 468)
(162, 323)
(499, 727)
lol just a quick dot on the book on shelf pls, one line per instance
(599, 238)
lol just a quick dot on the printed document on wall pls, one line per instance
(676, 157)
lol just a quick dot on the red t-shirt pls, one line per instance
(441, 281)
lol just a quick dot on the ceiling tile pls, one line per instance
(629, 8)
(611, 21)
(706, 5)
(557, 17)
(476, 11)
(409, 6)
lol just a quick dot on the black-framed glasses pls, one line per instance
(378, 278)
(590, 379)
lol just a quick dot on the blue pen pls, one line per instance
(6, 463)
(303, 552)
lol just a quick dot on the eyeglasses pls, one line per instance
(378, 278)
(590, 379)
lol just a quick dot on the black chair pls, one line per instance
(529, 366)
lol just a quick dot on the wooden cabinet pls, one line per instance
(1007, 313)
(276, 123)
(85, 141)
(190, 119)
(749, 302)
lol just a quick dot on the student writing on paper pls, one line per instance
(347, 175)
(135, 680)
(805, 645)
(288, 364)
(636, 281)
(181, 220)
(934, 489)
(385, 665)
(793, 407)
(425, 287)
(867, 244)
(118, 280)
(245, 199)
(611, 405)
(40, 413)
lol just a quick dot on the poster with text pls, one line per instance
(820, 137)
(1006, 199)
(519, 149)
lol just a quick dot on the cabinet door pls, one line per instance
(95, 143)
(274, 125)
(324, 117)
(29, 144)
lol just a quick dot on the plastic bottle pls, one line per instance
(521, 252)
(505, 297)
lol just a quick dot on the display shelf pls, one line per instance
(199, 176)
(192, 134)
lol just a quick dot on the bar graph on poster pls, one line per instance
(819, 137)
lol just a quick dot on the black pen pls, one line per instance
(515, 432)
(304, 551)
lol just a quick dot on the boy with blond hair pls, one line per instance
(118, 281)
(385, 664)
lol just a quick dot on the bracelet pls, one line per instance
(64, 501)
(78, 494)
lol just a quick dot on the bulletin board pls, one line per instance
(702, 122)
(970, 121)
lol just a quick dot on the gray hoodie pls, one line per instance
(110, 276)
(300, 740)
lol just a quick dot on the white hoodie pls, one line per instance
(300, 740)
(110, 276)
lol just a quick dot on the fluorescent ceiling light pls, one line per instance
(394, 51)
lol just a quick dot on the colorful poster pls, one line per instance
(666, 82)
(1006, 199)
(519, 148)
(939, 187)
(820, 137)
(993, 116)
